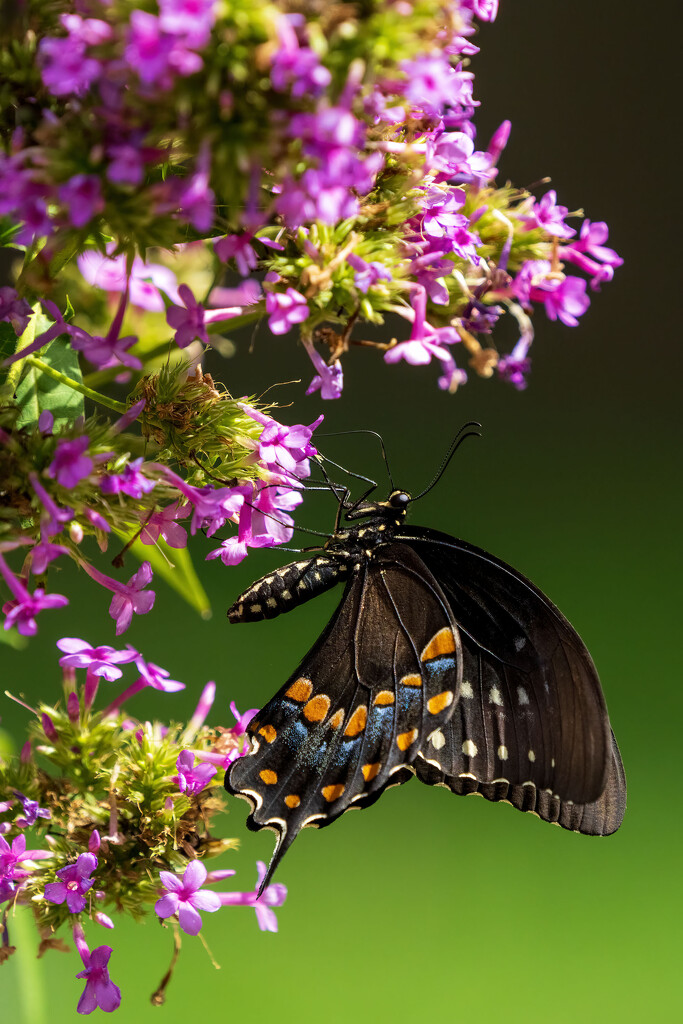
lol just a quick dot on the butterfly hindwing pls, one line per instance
(531, 726)
(350, 721)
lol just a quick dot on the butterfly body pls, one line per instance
(440, 661)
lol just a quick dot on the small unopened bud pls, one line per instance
(73, 708)
(26, 752)
(49, 728)
(103, 919)
(94, 841)
(75, 531)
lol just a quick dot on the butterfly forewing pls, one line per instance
(383, 677)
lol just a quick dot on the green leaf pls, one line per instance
(175, 566)
(36, 391)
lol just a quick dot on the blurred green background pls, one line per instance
(430, 906)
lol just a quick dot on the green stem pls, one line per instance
(95, 396)
(31, 987)
(15, 370)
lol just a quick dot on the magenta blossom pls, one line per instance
(128, 597)
(22, 611)
(99, 661)
(131, 481)
(191, 779)
(14, 310)
(32, 811)
(43, 553)
(99, 989)
(546, 214)
(70, 464)
(285, 309)
(191, 320)
(262, 900)
(186, 898)
(75, 882)
(146, 283)
(163, 524)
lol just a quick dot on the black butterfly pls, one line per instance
(441, 661)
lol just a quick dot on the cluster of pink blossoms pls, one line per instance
(74, 878)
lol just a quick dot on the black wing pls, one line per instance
(351, 720)
(531, 726)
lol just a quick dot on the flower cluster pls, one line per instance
(70, 479)
(122, 814)
(334, 151)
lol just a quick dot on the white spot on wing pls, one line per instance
(522, 695)
(495, 696)
(469, 748)
(437, 739)
(503, 753)
(532, 756)
(466, 689)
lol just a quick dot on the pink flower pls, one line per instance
(185, 897)
(99, 989)
(262, 901)
(128, 597)
(286, 309)
(70, 464)
(74, 883)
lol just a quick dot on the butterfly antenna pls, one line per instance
(374, 433)
(461, 436)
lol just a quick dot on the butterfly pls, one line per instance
(440, 661)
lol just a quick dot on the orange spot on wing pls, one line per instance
(337, 719)
(412, 680)
(357, 721)
(317, 708)
(268, 733)
(370, 771)
(269, 777)
(300, 690)
(406, 739)
(292, 800)
(384, 697)
(441, 701)
(332, 793)
(441, 643)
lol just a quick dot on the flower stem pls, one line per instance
(95, 396)
(26, 339)
(31, 987)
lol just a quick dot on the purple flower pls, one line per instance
(99, 661)
(273, 896)
(46, 422)
(32, 811)
(54, 516)
(565, 300)
(196, 199)
(367, 273)
(104, 352)
(329, 379)
(22, 611)
(74, 882)
(589, 254)
(546, 214)
(211, 505)
(43, 553)
(99, 989)
(163, 524)
(297, 67)
(64, 66)
(12, 857)
(192, 779)
(239, 249)
(190, 20)
(82, 194)
(146, 282)
(70, 465)
(285, 309)
(191, 319)
(432, 85)
(156, 677)
(128, 597)
(14, 310)
(185, 897)
(131, 481)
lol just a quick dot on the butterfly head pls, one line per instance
(394, 508)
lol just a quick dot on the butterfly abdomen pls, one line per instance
(284, 589)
